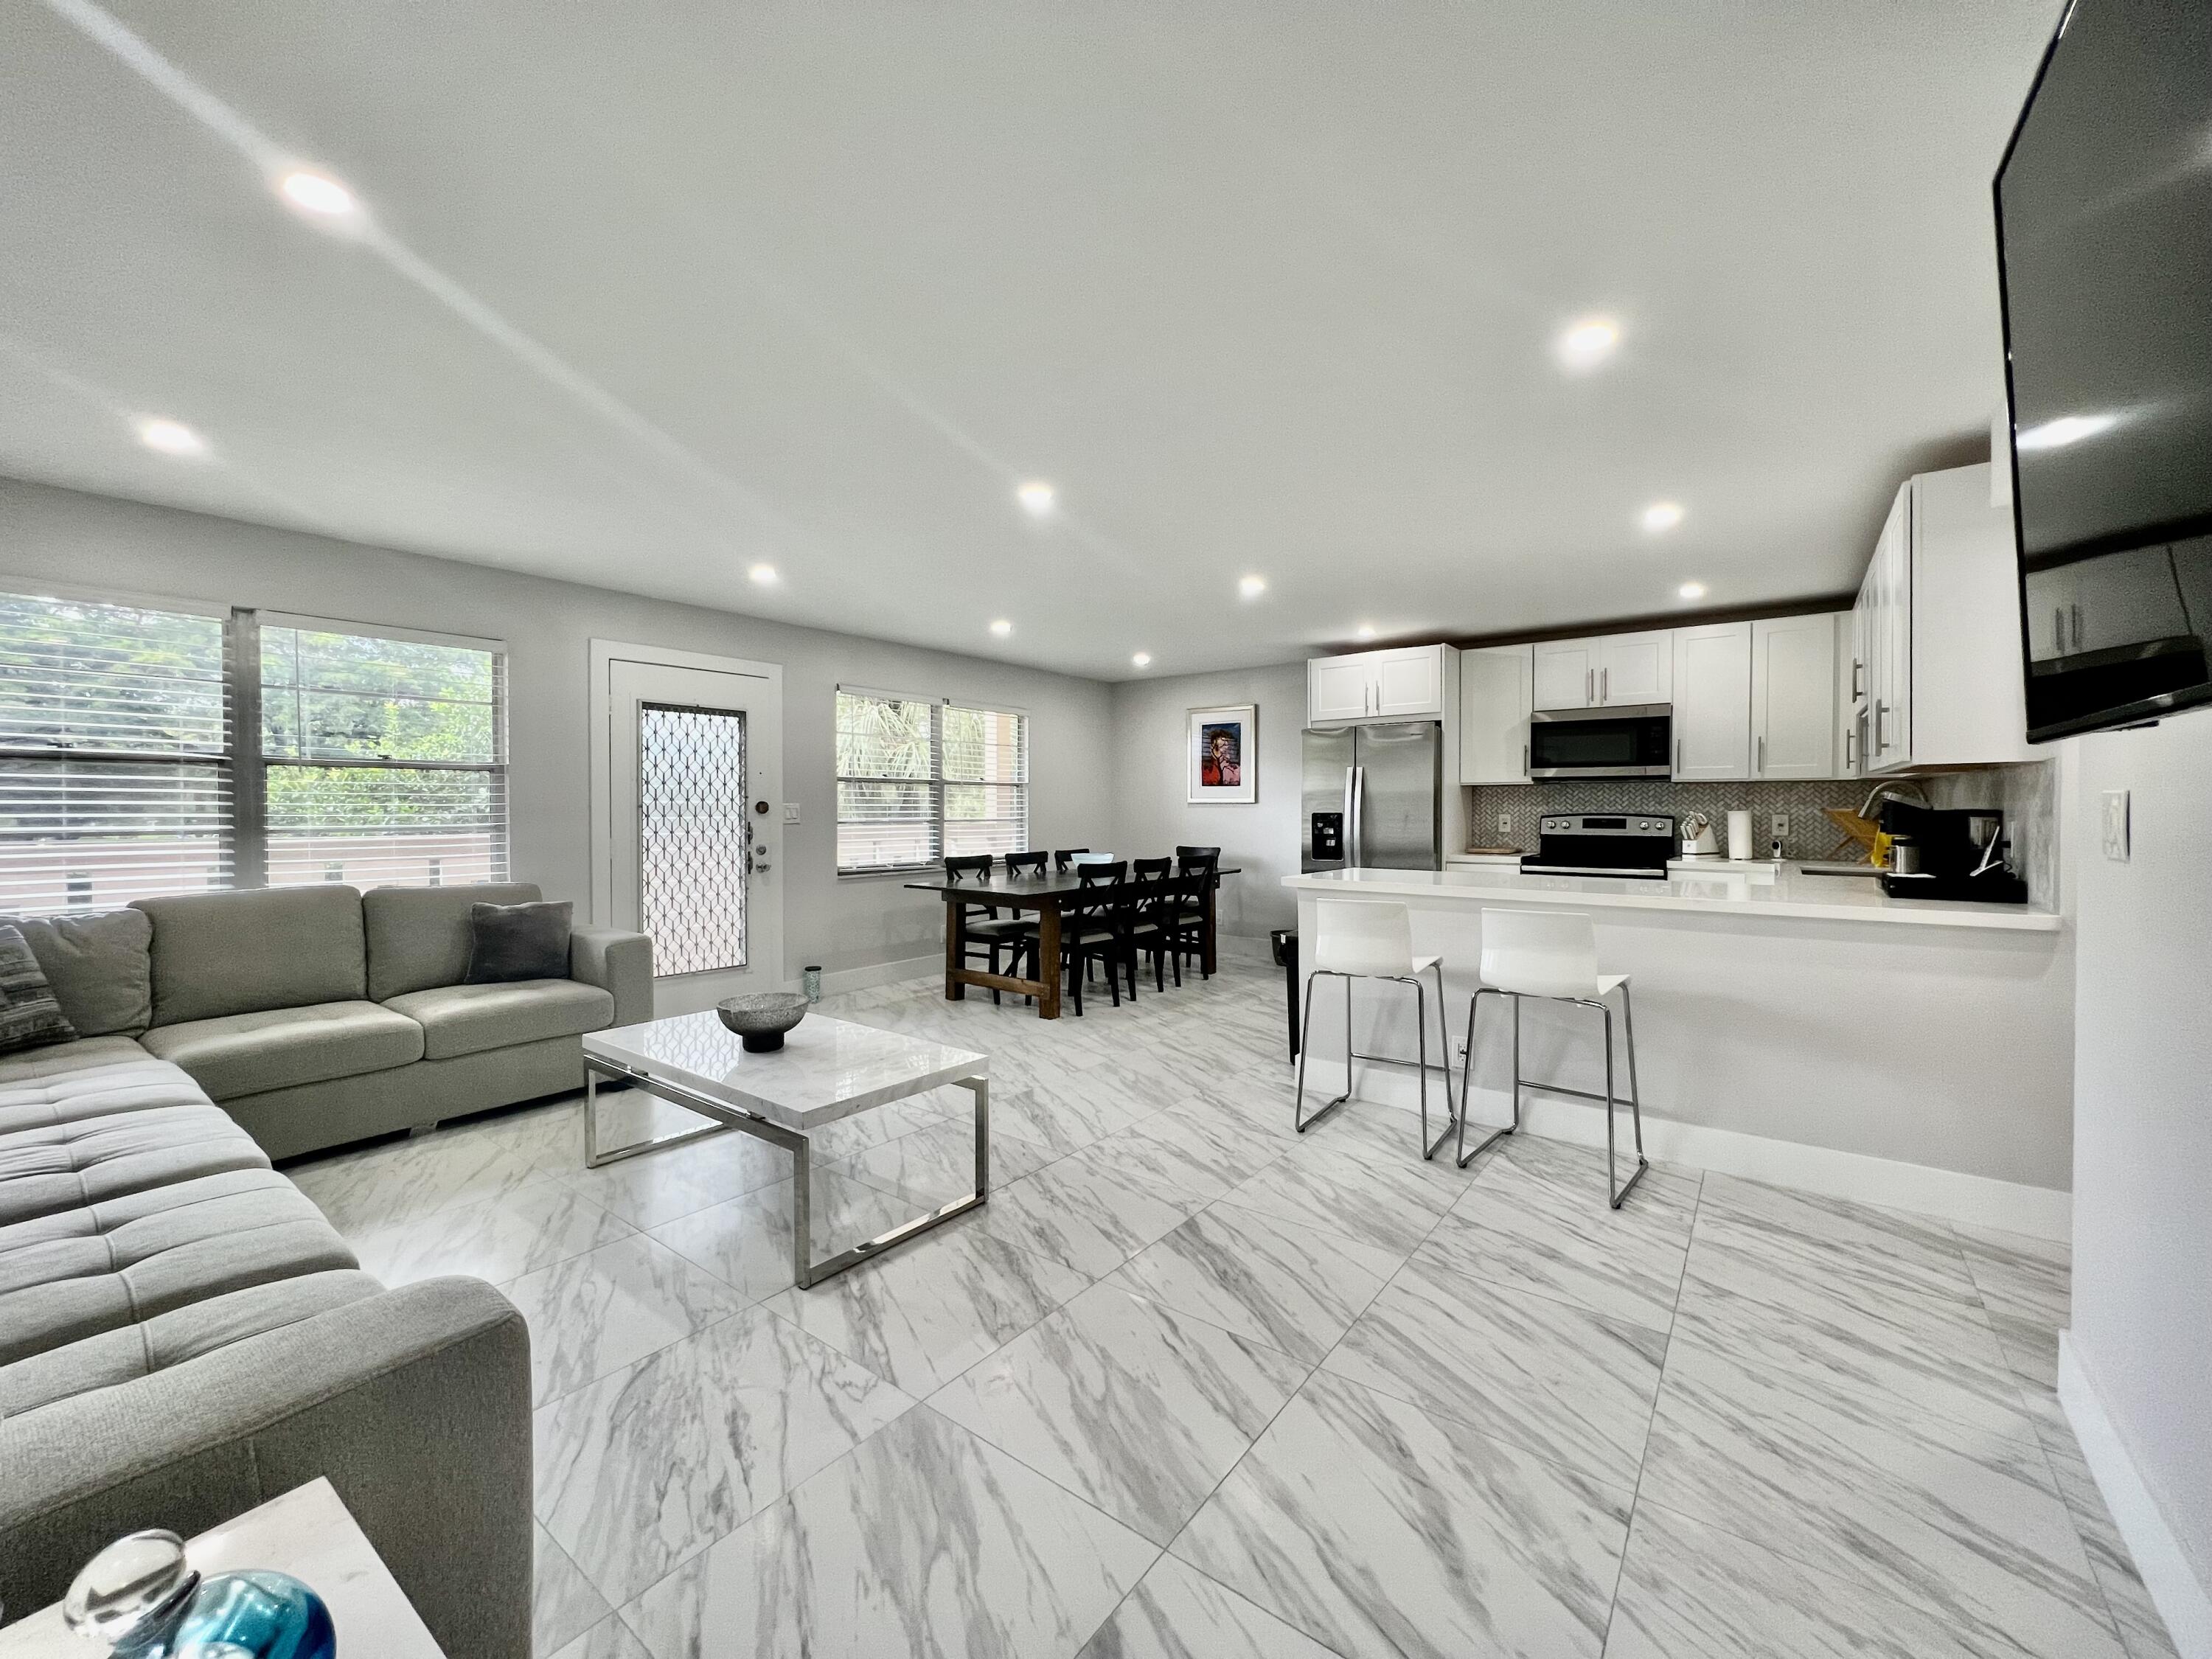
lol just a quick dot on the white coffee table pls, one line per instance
(309, 1533)
(827, 1069)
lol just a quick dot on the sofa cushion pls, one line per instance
(65, 1289)
(418, 937)
(101, 967)
(169, 1339)
(30, 1014)
(464, 1019)
(66, 1166)
(278, 1048)
(240, 953)
(510, 942)
(96, 1078)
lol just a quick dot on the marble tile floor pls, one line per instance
(1193, 1385)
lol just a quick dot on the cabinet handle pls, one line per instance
(1762, 754)
(1881, 744)
(1857, 668)
(1604, 684)
(1851, 748)
(1678, 754)
(1524, 760)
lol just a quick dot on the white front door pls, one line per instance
(688, 831)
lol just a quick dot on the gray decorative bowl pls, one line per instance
(761, 1020)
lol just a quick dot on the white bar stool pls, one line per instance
(1361, 939)
(1552, 954)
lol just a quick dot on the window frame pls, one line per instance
(936, 783)
(245, 832)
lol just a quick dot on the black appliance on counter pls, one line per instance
(1957, 853)
(1633, 740)
(1602, 844)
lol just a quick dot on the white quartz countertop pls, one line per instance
(1786, 894)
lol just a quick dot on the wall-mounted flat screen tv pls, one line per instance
(2104, 204)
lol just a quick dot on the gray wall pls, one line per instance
(1151, 812)
(2142, 1112)
(61, 536)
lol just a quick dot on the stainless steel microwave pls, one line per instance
(1634, 740)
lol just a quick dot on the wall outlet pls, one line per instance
(1781, 826)
(2117, 827)
(1505, 824)
(791, 811)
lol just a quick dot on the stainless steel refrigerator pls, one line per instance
(1373, 798)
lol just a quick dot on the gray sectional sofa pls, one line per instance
(182, 1334)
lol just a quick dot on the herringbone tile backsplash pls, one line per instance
(2026, 793)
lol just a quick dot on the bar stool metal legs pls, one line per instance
(1616, 1192)
(1453, 1116)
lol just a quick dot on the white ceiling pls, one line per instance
(652, 292)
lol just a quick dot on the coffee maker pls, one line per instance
(1957, 853)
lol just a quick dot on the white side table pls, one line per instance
(307, 1533)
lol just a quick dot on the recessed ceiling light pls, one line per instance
(1036, 497)
(171, 437)
(1252, 587)
(1002, 628)
(2066, 429)
(313, 193)
(1662, 516)
(1143, 660)
(763, 574)
(1691, 590)
(1588, 342)
(1367, 630)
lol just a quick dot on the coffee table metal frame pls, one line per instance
(808, 1273)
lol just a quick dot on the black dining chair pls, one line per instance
(1066, 857)
(989, 932)
(1018, 930)
(1157, 929)
(1204, 862)
(1027, 864)
(1095, 928)
(1150, 869)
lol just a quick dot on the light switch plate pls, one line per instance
(2117, 826)
(1505, 824)
(1781, 826)
(791, 811)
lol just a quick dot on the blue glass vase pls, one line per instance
(141, 1598)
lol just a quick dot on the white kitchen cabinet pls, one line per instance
(1407, 682)
(1712, 676)
(1793, 697)
(1604, 671)
(1635, 668)
(1338, 688)
(1565, 674)
(1939, 628)
(1495, 696)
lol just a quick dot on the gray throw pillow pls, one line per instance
(99, 964)
(30, 1015)
(518, 941)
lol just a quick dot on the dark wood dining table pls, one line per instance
(1048, 895)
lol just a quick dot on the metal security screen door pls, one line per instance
(693, 849)
(688, 819)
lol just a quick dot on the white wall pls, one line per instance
(2142, 1139)
(1152, 813)
(62, 536)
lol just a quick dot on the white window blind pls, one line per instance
(385, 758)
(918, 778)
(115, 779)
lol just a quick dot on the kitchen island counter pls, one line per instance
(1804, 1029)
(1788, 894)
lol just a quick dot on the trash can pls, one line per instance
(1284, 943)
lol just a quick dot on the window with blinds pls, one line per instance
(115, 771)
(130, 766)
(919, 778)
(384, 758)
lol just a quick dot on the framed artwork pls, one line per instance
(1222, 752)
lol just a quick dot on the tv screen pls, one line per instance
(2104, 207)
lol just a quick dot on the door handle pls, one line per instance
(1358, 812)
(1350, 822)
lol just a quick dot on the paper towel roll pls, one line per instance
(1740, 847)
